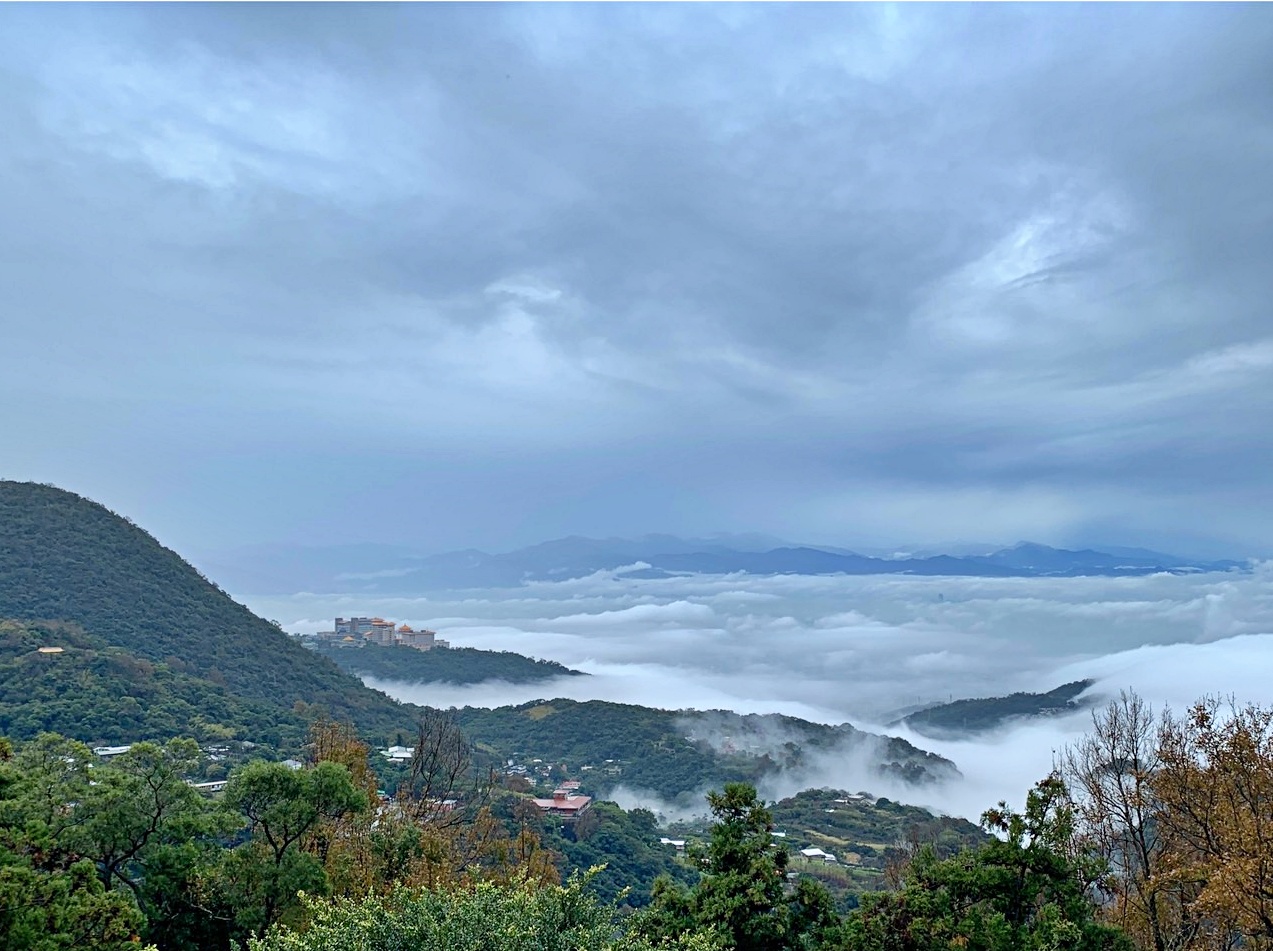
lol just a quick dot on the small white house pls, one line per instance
(815, 854)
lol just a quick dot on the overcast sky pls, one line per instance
(484, 275)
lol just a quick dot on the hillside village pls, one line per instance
(864, 828)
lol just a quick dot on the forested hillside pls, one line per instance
(110, 853)
(456, 665)
(105, 695)
(867, 836)
(963, 717)
(65, 558)
(676, 754)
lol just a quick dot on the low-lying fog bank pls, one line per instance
(860, 649)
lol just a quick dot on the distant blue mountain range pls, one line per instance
(280, 569)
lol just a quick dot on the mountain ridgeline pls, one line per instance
(979, 715)
(451, 665)
(383, 568)
(677, 754)
(139, 621)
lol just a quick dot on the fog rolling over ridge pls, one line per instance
(861, 649)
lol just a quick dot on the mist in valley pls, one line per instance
(863, 650)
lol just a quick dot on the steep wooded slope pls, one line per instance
(65, 558)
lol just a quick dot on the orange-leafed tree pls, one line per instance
(1214, 789)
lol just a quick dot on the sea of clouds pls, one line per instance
(857, 649)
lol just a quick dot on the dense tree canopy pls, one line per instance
(486, 918)
(741, 900)
(1029, 888)
(65, 558)
(673, 753)
(1181, 807)
(457, 665)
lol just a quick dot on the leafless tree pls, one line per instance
(1111, 773)
(445, 785)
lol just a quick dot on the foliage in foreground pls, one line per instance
(1029, 890)
(1180, 806)
(483, 918)
(102, 854)
(48, 911)
(741, 898)
(1163, 845)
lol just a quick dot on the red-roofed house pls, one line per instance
(564, 803)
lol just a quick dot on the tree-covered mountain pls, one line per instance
(676, 754)
(79, 685)
(455, 665)
(627, 842)
(866, 835)
(964, 717)
(64, 558)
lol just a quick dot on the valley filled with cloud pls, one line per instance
(863, 649)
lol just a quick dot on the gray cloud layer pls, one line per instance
(490, 274)
(860, 649)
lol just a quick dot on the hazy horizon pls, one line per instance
(741, 539)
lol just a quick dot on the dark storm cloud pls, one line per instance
(493, 273)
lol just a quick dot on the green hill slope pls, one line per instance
(456, 665)
(969, 717)
(106, 696)
(677, 754)
(65, 558)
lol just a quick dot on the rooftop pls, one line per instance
(563, 802)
